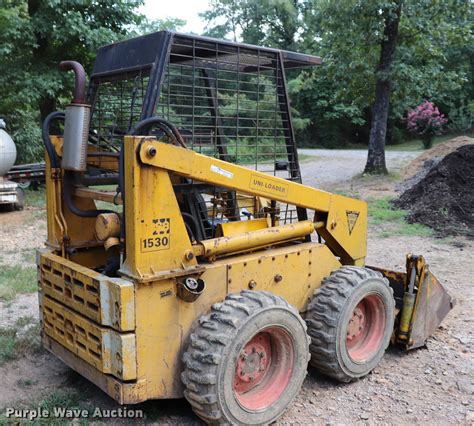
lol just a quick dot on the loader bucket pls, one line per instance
(421, 301)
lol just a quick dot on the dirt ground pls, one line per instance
(432, 385)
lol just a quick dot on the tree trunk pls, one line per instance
(376, 156)
(427, 141)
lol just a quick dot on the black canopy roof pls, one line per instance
(144, 51)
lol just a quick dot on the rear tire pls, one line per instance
(246, 360)
(350, 321)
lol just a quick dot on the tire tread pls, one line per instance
(322, 317)
(207, 341)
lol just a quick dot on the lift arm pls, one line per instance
(345, 219)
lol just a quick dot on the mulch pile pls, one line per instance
(444, 198)
(434, 155)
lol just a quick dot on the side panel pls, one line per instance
(163, 326)
(293, 273)
(157, 239)
(164, 321)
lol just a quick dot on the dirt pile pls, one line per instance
(444, 198)
(435, 154)
(421, 165)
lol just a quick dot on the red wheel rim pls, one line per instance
(365, 329)
(264, 368)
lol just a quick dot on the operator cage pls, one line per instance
(228, 100)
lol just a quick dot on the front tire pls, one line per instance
(350, 321)
(246, 360)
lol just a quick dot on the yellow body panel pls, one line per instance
(157, 239)
(127, 334)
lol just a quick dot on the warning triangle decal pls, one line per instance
(352, 217)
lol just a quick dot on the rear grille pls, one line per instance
(106, 301)
(108, 351)
(71, 288)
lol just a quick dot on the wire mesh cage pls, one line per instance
(117, 102)
(228, 100)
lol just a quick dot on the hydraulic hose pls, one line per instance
(53, 157)
(67, 197)
(194, 222)
(170, 129)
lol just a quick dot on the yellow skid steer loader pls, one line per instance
(184, 255)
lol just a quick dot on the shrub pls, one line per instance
(425, 121)
(462, 119)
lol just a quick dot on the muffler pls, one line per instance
(76, 126)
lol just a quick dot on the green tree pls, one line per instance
(433, 60)
(36, 35)
(273, 23)
(148, 26)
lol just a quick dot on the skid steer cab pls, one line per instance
(184, 255)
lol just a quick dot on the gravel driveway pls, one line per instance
(331, 166)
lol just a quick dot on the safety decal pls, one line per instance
(221, 172)
(352, 217)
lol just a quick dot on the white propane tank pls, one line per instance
(7, 150)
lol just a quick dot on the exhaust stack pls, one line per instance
(76, 126)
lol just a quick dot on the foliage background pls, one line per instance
(331, 103)
(434, 60)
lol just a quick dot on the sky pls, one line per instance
(183, 9)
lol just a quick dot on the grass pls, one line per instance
(7, 345)
(408, 145)
(369, 178)
(392, 221)
(19, 340)
(417, 144)
(17, 279)
(35, 198)
(28, 255)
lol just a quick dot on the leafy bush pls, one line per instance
(426, 121)
(462, 119)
